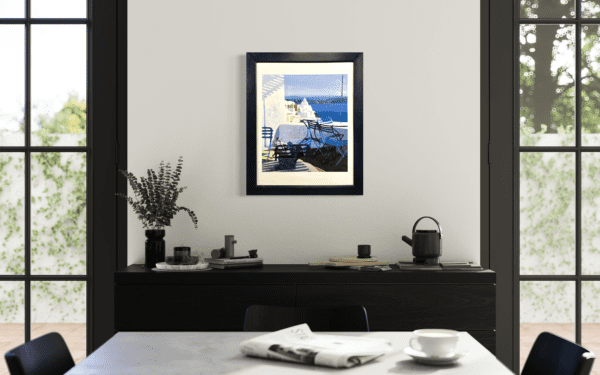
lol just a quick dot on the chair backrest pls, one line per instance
(553, 355)
(585, 364)
(309, 122)
(267, 132)
(332, 319)
(290, 150)
(45, 355)
(329, 131)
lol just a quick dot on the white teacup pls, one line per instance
(435, 342)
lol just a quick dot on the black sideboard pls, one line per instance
(216, 300)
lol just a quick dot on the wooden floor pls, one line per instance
(11, 335)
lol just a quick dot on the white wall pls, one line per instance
(187, 96)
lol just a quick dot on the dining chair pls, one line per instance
(45, 355)
(323, 319)
(267, 133)
(553, 355)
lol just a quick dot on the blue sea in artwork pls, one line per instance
(332, 108)
(337, 112)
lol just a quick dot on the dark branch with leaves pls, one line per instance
(156, 196)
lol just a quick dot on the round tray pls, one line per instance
(181, 267)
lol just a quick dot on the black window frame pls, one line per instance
(106, 95)
(503, 25)
(497, 31)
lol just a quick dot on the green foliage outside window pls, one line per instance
(547, 182)
(71, 119)
(58, 220)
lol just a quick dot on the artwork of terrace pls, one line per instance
(305, 123)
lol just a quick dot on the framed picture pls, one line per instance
(304, 118)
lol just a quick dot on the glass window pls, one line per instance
(43, 194)
(559, 170)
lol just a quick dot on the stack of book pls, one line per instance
(226, 263)
(443, 266)
(460, 266)
(411, 266)
(350, 262)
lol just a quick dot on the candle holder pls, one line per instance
(181, 251)
(181, 255)
(364, 251)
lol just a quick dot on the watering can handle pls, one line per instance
(428, 217)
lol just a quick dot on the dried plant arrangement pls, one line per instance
(156, 196)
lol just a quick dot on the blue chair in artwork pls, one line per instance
(341, 146)
(313, 130)
(332, 141)
(267, 133)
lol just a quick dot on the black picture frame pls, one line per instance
(252, 187)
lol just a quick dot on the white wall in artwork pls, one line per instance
(273, 110)
(187, 96)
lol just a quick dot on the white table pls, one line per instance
(296, 133)
(151, 353)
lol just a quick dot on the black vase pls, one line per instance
(155, 247)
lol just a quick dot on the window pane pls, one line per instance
(547, 85)
(547, 213)
(547, 8)
(12, 9)
(12, 214)
(590, 85)
(590, 9)
(12, 317)
(590, 207)
(58, 213)
(58, 85)
(58, 8)
(546, 306)
(60, 306)
(590, 309)
(12, 81)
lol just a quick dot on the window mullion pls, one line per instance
(578, 109)
(89, 175)
(27, 172)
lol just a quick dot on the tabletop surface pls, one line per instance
(218, 353)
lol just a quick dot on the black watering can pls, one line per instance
(426, 244)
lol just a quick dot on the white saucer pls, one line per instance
(423, 358)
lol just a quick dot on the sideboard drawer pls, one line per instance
(406, 307)
(193, 307)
